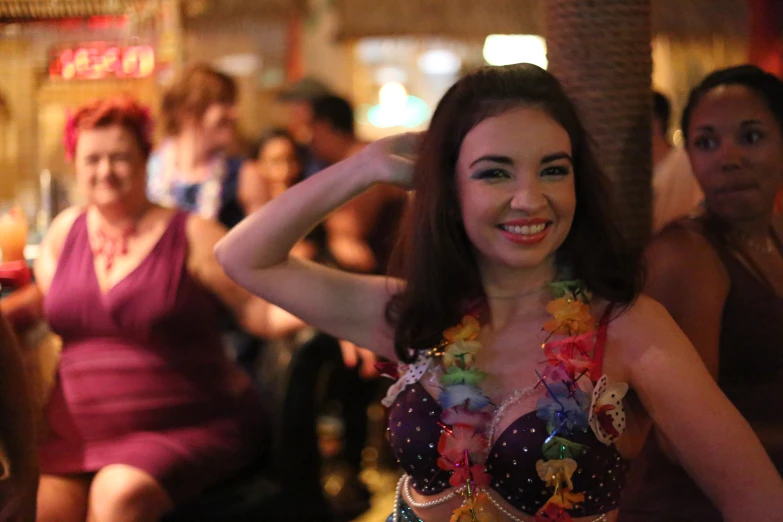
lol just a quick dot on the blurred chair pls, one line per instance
(285, 485)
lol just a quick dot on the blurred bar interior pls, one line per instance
(394, 59)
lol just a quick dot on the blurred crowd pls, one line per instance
(180, 395)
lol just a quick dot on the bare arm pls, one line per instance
(709, 437)
(17, 433)
(252, 313)
(51, 246)
(255, 254)
(685, 275)
(23, 308)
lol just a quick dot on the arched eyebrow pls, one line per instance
(744, 123)
(549, 158)
(505, 160)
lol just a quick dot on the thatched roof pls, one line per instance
(455, 18)
(364, 18)
(214, 10)
(478, 18)
(24, 10)
(40, 9)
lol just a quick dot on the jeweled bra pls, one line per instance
(555, 462)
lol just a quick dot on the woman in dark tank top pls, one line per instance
(720, 276)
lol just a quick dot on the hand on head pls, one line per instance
(394, 158)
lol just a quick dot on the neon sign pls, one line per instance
(98, 60)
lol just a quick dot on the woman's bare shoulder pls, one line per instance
(61, 226)
(639, 326)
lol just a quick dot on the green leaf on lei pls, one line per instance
(455, 375)
(559, 448)
(575, 289)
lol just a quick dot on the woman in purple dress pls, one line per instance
(509, 205)
(147, 411)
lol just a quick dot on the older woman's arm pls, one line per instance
(252, 313)
(708, 436)
(17, 434)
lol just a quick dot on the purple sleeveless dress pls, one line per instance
(143, 379)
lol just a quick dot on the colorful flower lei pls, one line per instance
(571, 403)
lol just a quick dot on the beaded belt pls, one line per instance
(403, 502)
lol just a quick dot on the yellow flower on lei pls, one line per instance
(467, 330)
(461, 354)
(570, 317)
(557, 472)
(480, 506)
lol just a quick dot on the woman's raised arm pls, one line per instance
(255, 253)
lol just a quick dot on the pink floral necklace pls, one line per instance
(109, 247)
(467, 424)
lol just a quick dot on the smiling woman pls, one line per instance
(523, 196)
(509, 205)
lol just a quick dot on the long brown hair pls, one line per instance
(199, 87)
(434, 255)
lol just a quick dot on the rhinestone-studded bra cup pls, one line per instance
(414, 433)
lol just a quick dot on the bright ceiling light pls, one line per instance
(505, 49)
(439, 62)
(392, 94)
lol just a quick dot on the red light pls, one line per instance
(146, 61)
(102, 60)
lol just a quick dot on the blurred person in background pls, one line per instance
(298, 99)
(360, 236)
(357, 237)
(191, 170)
(147, 411)
(278, 166)
(720, 276)
(676, 193)
(344, 401)
(361, 233)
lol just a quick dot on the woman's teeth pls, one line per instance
(525, 230)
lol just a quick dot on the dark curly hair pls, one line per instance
(766, 85)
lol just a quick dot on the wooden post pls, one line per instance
(600, 50)
(294, 54)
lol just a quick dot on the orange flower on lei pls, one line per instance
(570, 317)
(467, 330)
(566, 499)
(479, 510)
